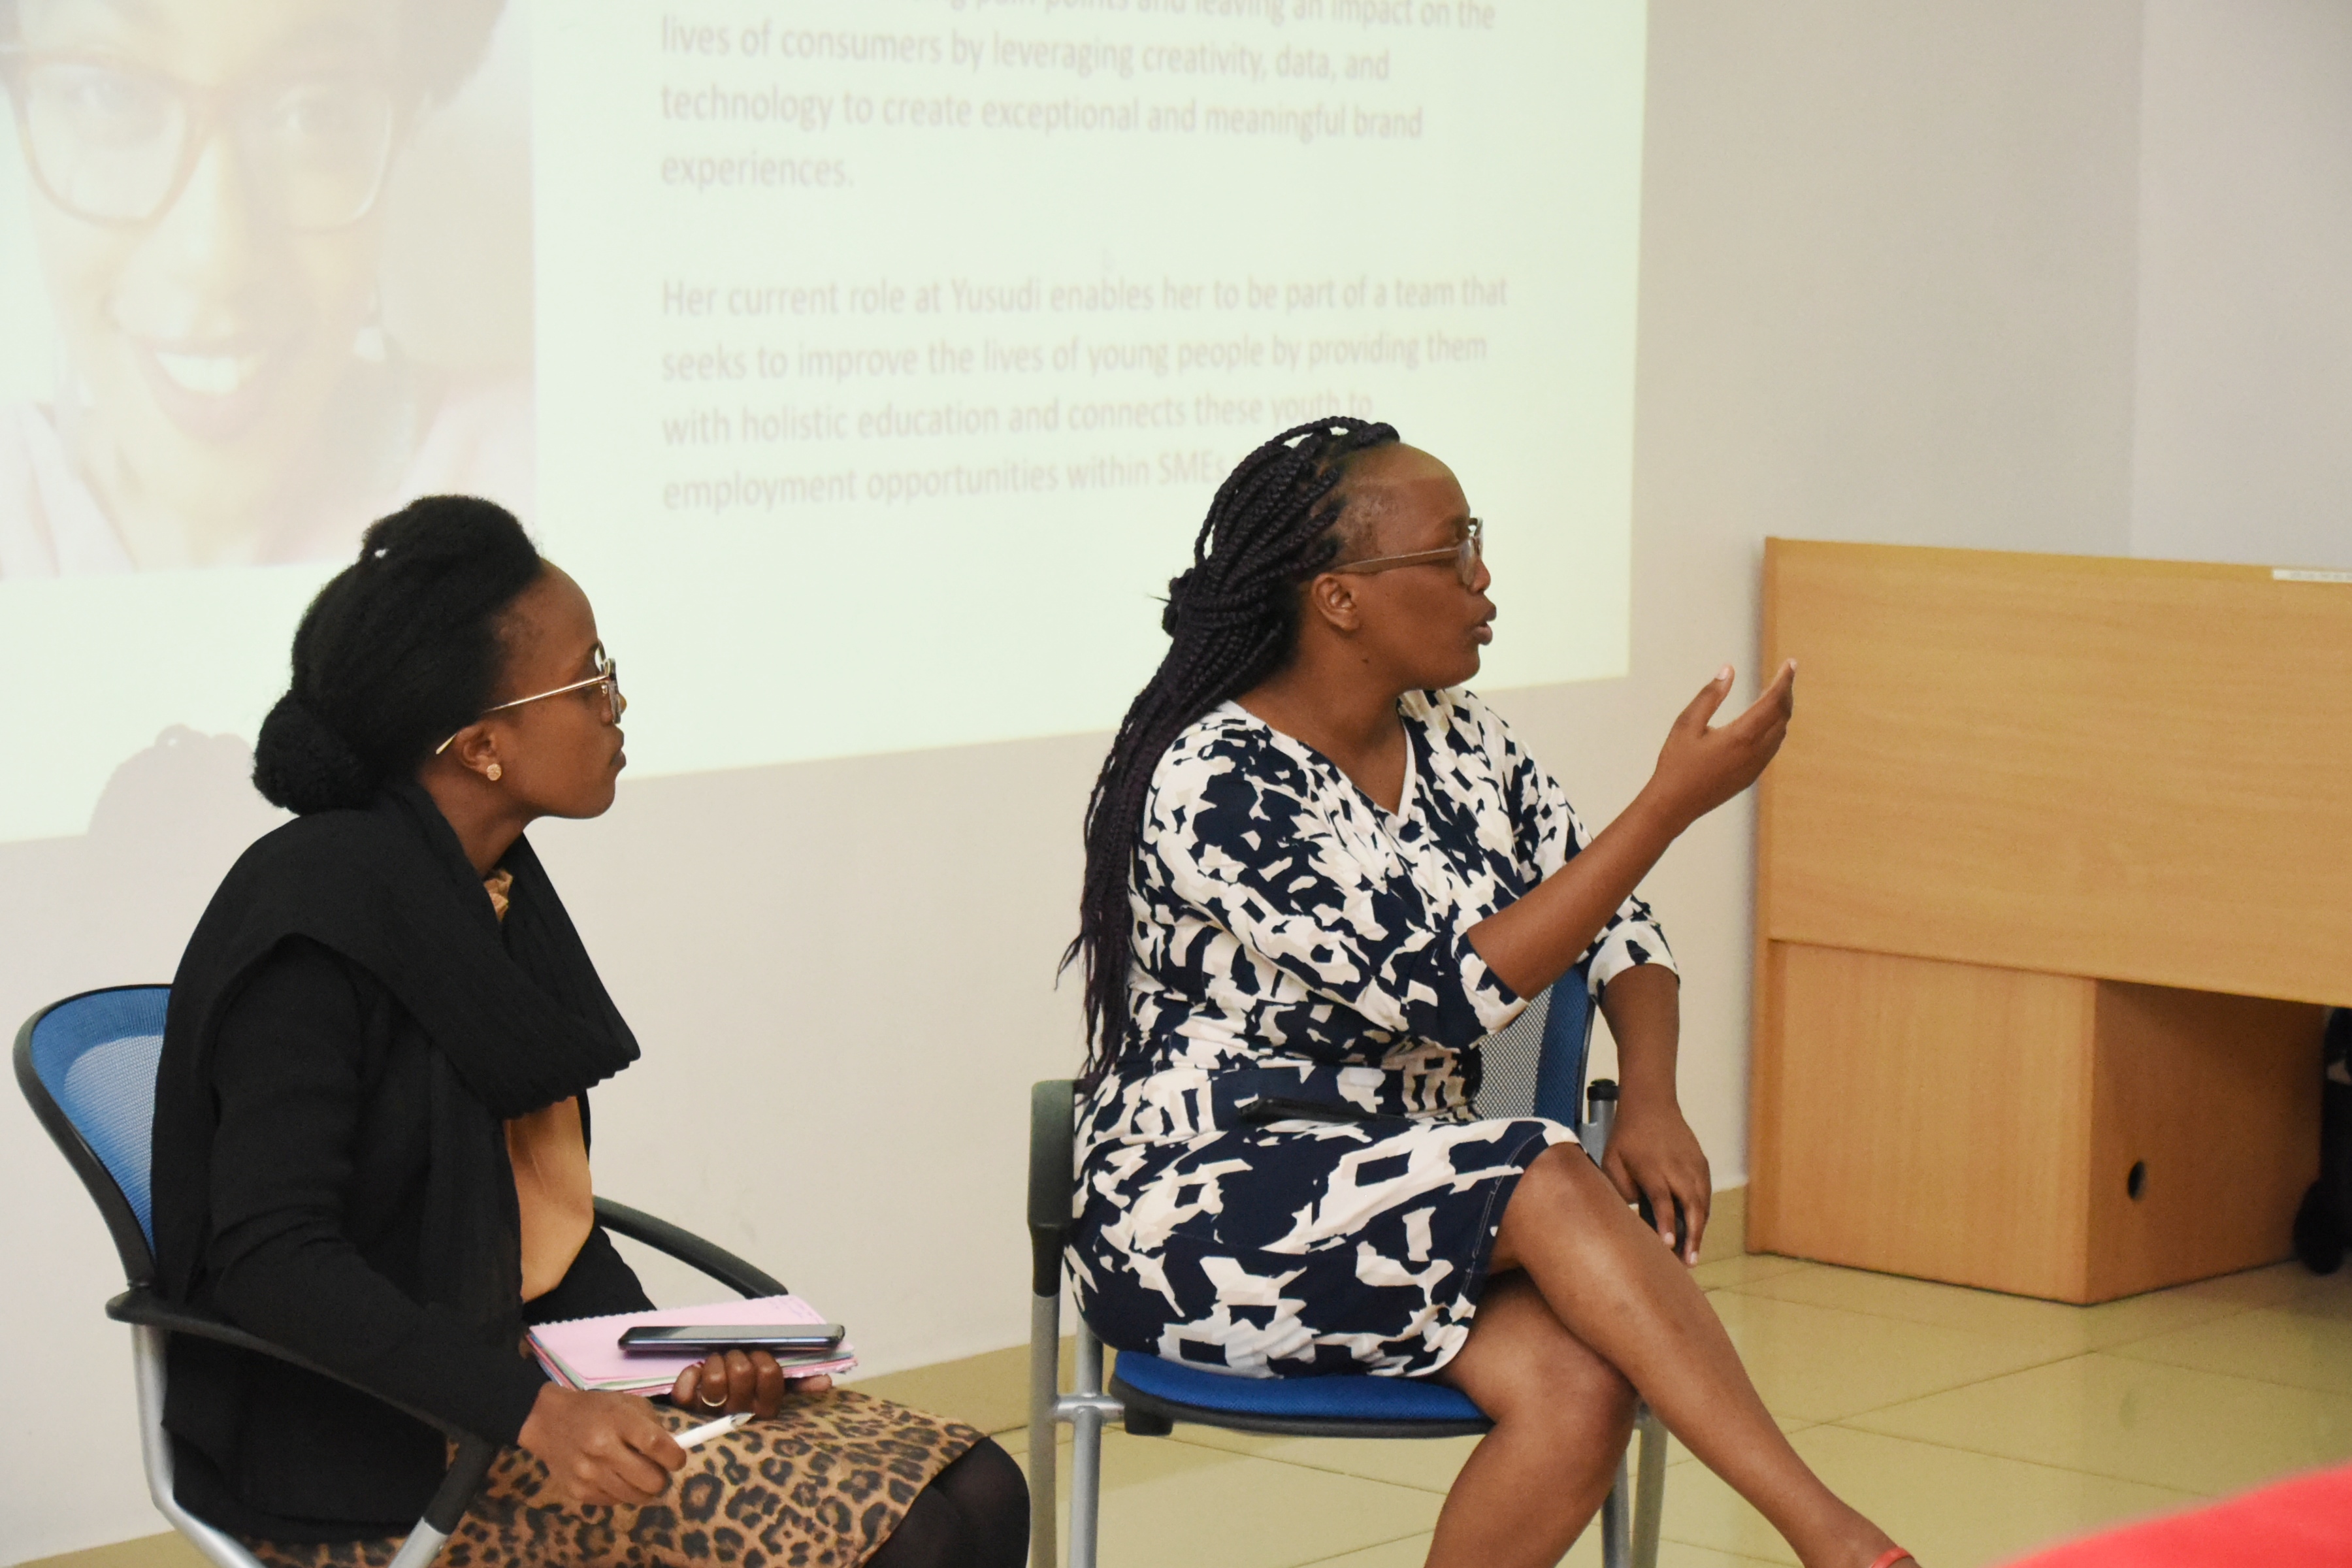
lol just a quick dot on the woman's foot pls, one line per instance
(1848, 1540)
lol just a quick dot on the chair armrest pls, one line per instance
(150, 1311)
(145, 1309)
(688, 1248)
(1053, 1130)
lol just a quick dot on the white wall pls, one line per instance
(2244, 449)
(1886, 281)
(1890, 291)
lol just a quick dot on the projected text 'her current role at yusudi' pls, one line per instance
(1110, 381)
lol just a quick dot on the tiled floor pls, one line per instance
(1973, 1426)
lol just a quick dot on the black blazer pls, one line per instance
(321, 1175)
(349, 1028)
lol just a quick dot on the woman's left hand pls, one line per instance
(1654, 1154)
(740, 1380)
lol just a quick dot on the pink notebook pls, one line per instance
(585, 1352)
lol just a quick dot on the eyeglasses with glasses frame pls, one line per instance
(203, 111)
(608, 676)
(1465, 555)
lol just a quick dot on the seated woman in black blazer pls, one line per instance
(372, 1132)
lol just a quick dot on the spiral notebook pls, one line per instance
(585, 1352)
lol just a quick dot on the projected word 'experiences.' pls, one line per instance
(1035, 252)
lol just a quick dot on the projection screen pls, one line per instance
(871, 362)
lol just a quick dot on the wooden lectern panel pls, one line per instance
(1982, 1126)
(1933, 1119)
(2126, 769)
(2216, 1099)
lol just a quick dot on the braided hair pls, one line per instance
(1232, 620)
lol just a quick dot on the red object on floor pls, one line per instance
(2303, 1524)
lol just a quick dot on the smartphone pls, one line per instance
(822, 1338)
(1682, 1223)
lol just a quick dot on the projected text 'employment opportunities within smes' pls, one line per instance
(793, 385)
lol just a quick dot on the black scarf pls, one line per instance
(517, 1016)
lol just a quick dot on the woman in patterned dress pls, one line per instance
(1318, 872)
(372, 1135)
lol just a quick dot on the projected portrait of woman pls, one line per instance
(206, 186)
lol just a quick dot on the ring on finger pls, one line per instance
(708, 1403)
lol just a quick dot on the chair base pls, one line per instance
(1142, 1422)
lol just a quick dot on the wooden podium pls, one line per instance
(2055, 877)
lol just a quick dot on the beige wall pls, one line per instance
(1889, 292)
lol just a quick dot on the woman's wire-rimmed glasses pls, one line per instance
(1464, 556)
(112, 144)
(608, 676)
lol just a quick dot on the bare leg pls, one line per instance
(1609, 1282)
(1561, 1417)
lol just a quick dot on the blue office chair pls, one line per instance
(88, 1067)
(1534, 1066)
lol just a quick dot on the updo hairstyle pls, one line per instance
(400, 650)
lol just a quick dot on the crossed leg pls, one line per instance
(1561, 1417)
(1585, 1305)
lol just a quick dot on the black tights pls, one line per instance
(974, 1514)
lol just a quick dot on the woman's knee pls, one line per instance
(992, 1493)
(1565, 1174)
(1564, 1382)
(1522, 1364)
(1560, 1187)
(974, 1514)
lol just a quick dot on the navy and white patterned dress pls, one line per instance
(1294, 941)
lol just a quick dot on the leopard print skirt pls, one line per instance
(821, 1486)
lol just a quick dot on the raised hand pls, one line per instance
(1700, 768)
(600, 1449)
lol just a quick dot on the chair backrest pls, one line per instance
(1534, 1066)
(86, 1065)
